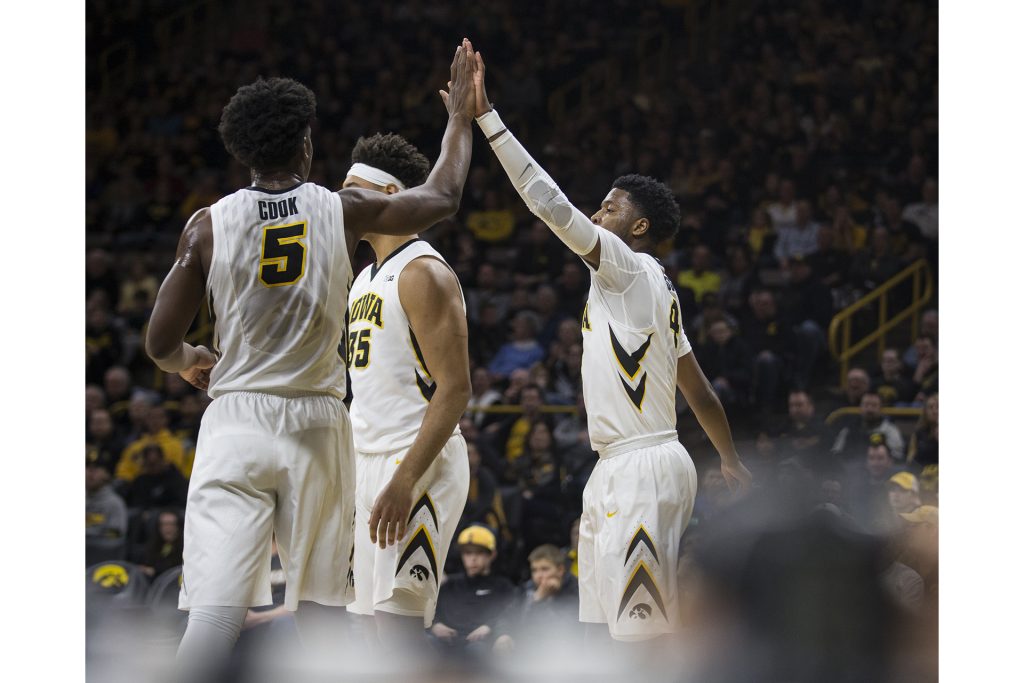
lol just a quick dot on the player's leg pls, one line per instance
(314, 519)
(228, 523)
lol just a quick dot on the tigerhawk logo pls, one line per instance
(110, 576)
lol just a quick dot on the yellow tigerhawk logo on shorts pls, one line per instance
(110, 576)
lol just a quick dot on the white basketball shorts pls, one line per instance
(267, 464)
(636, 507)
(403, 578)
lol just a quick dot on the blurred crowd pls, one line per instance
(802, 146)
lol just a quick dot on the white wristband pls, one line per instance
(490, 123)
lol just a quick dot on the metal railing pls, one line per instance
(897, 413)
(840, 330)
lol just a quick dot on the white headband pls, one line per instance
(375, 176)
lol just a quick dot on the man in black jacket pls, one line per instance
(472, 607)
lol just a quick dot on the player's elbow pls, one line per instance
(458, 389)
(158, 347)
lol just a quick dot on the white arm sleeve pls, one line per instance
(540, 193)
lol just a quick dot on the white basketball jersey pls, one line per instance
(632, 339)
(391, 384)
(278, 281)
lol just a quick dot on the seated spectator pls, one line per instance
(103, 439)
(494, 222)
(567, 372)
(539, 258)
(875, 265)
(522, 352)
(699, 278)
(925, 213)
(545, 302)
(510, 435)
(711, 309)
(472, 607)
(807, 304)
(164, 550)
(855, 431)
(106, 516)
(158, 484)
(891, 385)
(904, 585)
(739, 280)
(95, 399)
(156, 434)
(117, 383)
(487, 332)
(548, 613)
(783, 212)
(728, 363)
(804, 434)
(922, 550)
(484, 499)
(798, 239)
(538, 474)
(926, 373)
(103, 341)
(904, 492)
(924, 442)
(869, 488)
(484, 395)
(761, 235)
(772, 343)
(857, 384)
(929, 327)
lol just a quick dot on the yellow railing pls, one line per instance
(515, 409)
(840, 330)
(897, 413)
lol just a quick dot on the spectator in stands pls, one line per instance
(138, 281)
(99, 276)
(156, 433)
(548, 611)
(102, 437)
(487, 333)
(573, 286)
(740, 279)
(568, 373)
(761, 236)
(158, 483)
(855, 432)
(798, 239)
(807, 304)
(805, 435)
(875, 265)
(869, 488)
(538, 260)
(545, 302)
(484, 499)
(832, 493)
(511, 434)
(829, 263)
(728, 363)
(783, 212)
(926, 373)
(905, 586)
(106, 517)
(699, 278)
(572, 431)
(117, 383)
(103, 346)
(929, 327)
(484, 395)
(925, 214)
(522, 351)
(472, 607)
(486, 290)
(922, 550)
(891, 385)
(713, 497)
(772, 343)
(924, 442)
(857, 384)
(539, 474)
(163, 551)
(904, 492)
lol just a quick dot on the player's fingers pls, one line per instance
(374, 521)
(444, 97)
(400, 529)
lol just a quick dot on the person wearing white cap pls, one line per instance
(409, 366)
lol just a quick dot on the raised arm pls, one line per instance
(177, 303)
(416, 209)
(539, 192)
(432, 300)
(708, 409)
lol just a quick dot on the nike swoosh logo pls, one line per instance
(483, 592)
(612, 514)
(398, 461)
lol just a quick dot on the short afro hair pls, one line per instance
(654, 201)
(264, 123)
(394, 154)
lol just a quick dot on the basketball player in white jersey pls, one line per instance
(640, 496)
(409, 366)
(275, 451)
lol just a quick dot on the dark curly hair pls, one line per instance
(654, 201)
(264, 123)
(394, 154)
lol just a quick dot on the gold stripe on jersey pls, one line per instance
(426, 386)
(673, 320)
(586, 317)
(629, 362)
(420, 539)
(641, 576)
(369, 307)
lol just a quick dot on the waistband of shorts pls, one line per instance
(283, 393)
(636, 443)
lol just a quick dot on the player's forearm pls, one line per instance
(448, 176)
(711, 416)
(171, 358)
(538, 190)
(446, 407)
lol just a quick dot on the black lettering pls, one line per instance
(271, 210)
(263, 210)
(292, 208)
(282, 208)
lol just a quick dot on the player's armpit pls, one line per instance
(181, 293)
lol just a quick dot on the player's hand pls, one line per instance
(483, 105)
(198, 374)
(504, 644)
(479, 633)
(460, 97)
(443, 632)
(391, 512)
(547, 588)
(737, 476)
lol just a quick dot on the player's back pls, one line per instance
(632, 338)
(278, 283)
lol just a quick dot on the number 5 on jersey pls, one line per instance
(359, 349)
(284, 255)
